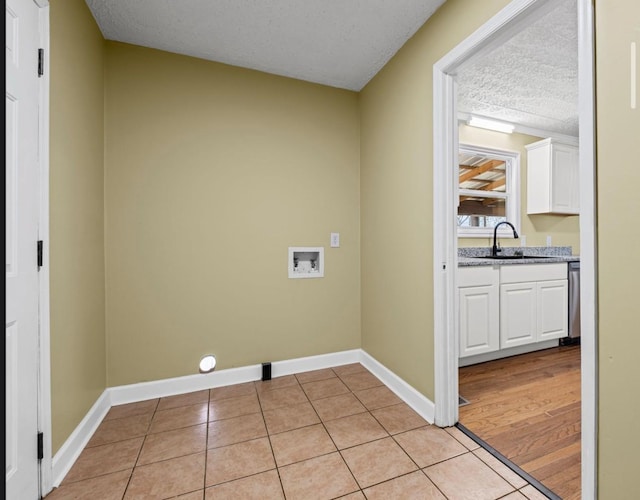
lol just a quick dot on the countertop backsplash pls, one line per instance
(479, 252)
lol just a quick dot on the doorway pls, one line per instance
(500, 28)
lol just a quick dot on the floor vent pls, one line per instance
(462, 401)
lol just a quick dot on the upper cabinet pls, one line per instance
(553, 186)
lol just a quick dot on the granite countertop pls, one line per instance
(477, 256)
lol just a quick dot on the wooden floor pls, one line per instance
(527, 407)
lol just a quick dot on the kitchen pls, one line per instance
(518, 296)
(519, 343)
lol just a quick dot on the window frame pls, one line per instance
(512, 196)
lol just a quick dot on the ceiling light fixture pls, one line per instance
(474, 121)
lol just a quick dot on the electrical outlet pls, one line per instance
(335, 240)
(523, 240)
(548, 241)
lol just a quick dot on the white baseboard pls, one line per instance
(169, 387)
(70, 451)
(73, 446)
(300, 365)
(418, 402)
(133, 393)
(505, 353)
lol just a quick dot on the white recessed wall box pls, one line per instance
(306, 262)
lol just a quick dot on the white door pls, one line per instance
(22, 195)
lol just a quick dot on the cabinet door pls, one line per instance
(479, 329)
(518, 323)
(565, 184)
(553, 309)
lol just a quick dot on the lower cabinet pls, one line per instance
(478, 320)
(553, 309)
(533, 312)
(479, 310)
(518, 323)
(510, 306)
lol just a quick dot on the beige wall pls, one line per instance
(564, 230)
(76, 216)
(618, 130)
(212, 172)
(176, 189)
(396, 206)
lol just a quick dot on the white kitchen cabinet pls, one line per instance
(533, 303)
(553, 184)
(518, 323)
(478, 310)
(553, 309)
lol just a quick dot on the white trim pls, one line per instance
(445, 258)
(588, 250)
(513, 195)
(75, 443)
(73, 446)
(301, 365)
(44, 339)
(169, 387)
(504, 353)
(494, 33)
(491, 34)
(133, 393)
(416, 400)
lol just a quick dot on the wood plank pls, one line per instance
(572, 450)
(566, 483)
(470, 174)
(528, 408)
(492, 185)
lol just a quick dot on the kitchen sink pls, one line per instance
(515, 257)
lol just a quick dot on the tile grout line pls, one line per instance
(523, 474)
(389, 435)
(264, 421)
(331, 437)
(299, 384)
(421, 469)
(135, 464)
(347, 448)
(206, 445)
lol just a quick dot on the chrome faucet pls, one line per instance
(495, 249)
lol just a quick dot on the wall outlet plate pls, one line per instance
(335, 240)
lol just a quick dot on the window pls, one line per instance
(488, 191)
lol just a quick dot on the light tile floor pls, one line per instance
(332, 433)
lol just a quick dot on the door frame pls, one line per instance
(44, 354)
(445, 125)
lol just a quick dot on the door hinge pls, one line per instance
(40, 62)
(40, 247)
(40, 445)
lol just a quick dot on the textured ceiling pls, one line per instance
(340, 43)
(530, 80)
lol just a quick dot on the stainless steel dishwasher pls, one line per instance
(574, 304)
